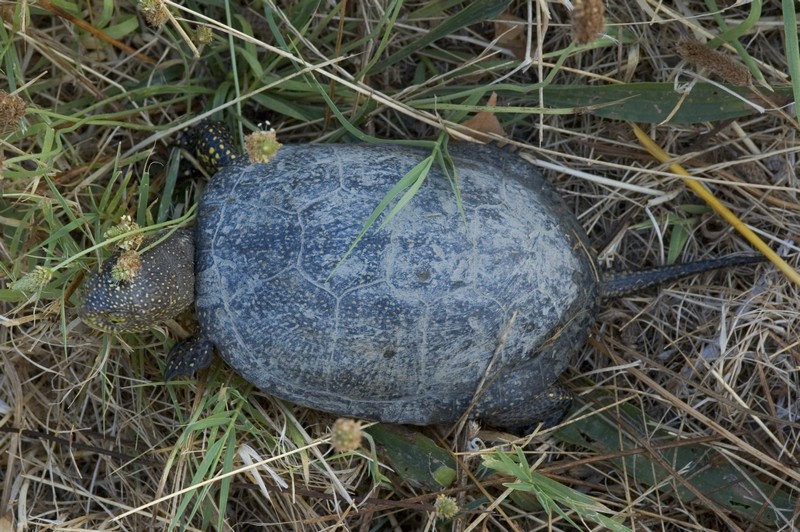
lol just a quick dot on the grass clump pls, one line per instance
(687, 415)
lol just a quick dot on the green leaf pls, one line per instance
(729, 483)
(444, 475)
(122, 29)
(654, 102)
(678, 238)
(416, 458)
(253, 62)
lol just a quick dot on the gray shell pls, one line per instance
(405, 328)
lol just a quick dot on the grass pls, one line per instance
(687, 411)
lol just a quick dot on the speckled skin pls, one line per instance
(211, 144)
(161, 289)
(405, 328)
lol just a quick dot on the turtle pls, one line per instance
(470, 301)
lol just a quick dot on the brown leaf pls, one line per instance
(510, 32)
(485, 122)
(6, 522)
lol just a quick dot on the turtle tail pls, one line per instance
(623, 283)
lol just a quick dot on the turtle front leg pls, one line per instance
(188, 357)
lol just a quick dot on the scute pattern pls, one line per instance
(403, 329)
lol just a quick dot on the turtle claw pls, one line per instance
(188, 357)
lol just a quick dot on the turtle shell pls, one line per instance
(486, 265)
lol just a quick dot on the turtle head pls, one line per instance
(161, 287)
(212, 144)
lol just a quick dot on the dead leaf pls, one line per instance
(6, 523)
(485, 122)
(511, 32)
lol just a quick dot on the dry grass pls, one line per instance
(683, 394)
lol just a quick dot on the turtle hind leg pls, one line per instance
(521, 413)
(188, 357)
(546, 410)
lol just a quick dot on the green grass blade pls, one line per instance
(792, 49)
(210, 460)
(282, 106)
(144, 194)
(411, 181)
(476, 11)
(431, 10)
(225, 483)
(731, 35)
(389, 21)
(552, 495)
(169, 187)
(417, 176)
